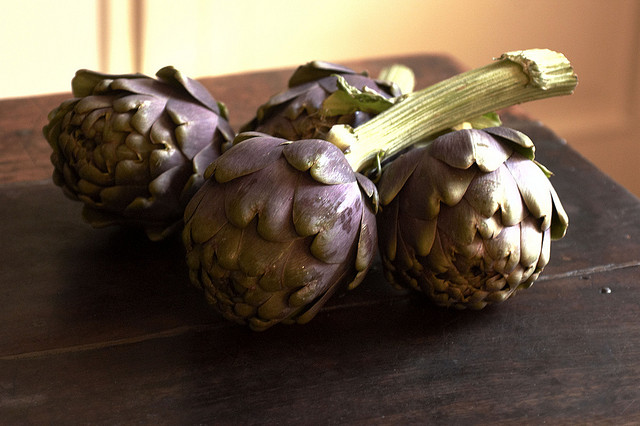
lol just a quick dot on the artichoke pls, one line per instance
(133, 149)
(277, 228)
(300, 112)
(468, 220)
(281, 224)
(314, 229)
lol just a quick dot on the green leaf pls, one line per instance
(548, 173)
(349, 99)
(491, 119)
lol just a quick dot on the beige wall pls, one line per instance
(44, 42)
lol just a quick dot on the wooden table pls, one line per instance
(103, 327)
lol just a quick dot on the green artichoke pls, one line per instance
(133, 149)
(468, 220)
(299, 112)
(277, 228)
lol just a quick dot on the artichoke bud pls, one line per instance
(277, 228)
(469, 218)
(133, 148)
(298, 112)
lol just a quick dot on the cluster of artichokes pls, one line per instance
(279, 217)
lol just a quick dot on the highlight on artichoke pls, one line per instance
(312, 104)
(278, 228)
(468, 220)
(281, 224)
(133, 148)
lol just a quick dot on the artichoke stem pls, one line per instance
(514, 78)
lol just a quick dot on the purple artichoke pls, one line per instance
(298, 112)
(133, 149)
(277, 228)
(468, 220)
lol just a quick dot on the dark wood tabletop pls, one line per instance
(103, 326)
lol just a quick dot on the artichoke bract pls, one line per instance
(133, 148)
(468, 220)
(298, 113)
(277, 228)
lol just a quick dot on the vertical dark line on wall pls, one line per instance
(103, 27)
(137, 33)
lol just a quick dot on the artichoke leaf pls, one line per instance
(360, 83)
(418, 233)
(121, 122)
(171, 75)
(459, 222)
(195, 129)
(395, 178)
(463, 148)
(210, 217)
(169, 184)
(388, 234)
(85, 81)
(308, 102)
(268, 195)
(313, 205)
(228, 244)
(312, 310)
(252, 154)
(146, 110)
(262, 256)
(560, 219)
(519, 141)
(367, 245)
(131, 172)
(302, 267)
(496, 191)
(348, 99)
(534, 188)
(280, 98)
(119, 197)
(306, 294)
(92, 103)
(370, 190)
(505, 248)
(272, 276)
(139, 144)
(316, 70)
(488, 120)
(437, 182)
(530, 242)
(324, 161)
(91, 173)
(144, 87)
(334, 243)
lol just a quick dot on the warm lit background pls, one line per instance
(44, 42)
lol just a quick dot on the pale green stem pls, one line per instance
(514, 78)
